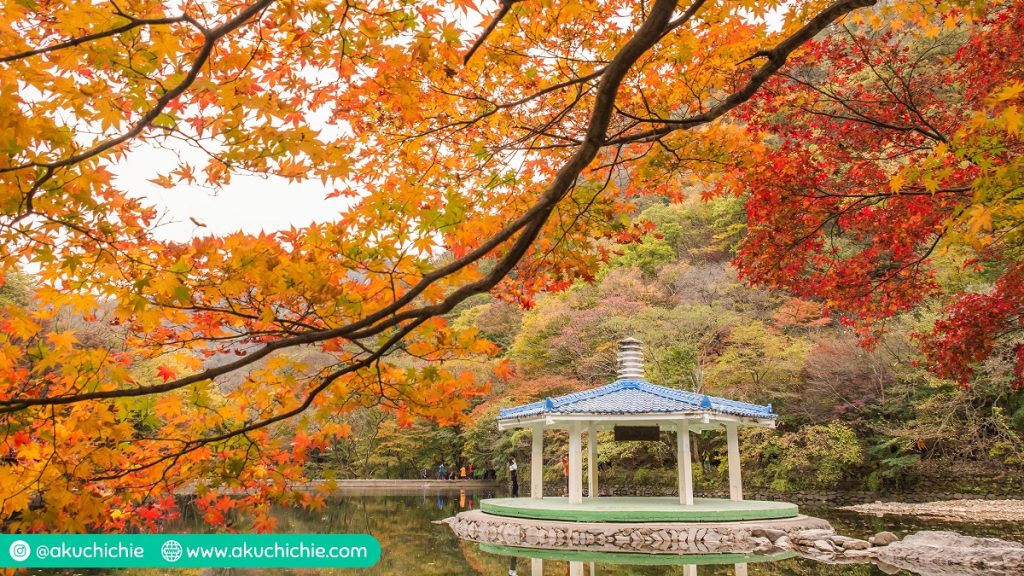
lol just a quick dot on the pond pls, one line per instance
(413, 545)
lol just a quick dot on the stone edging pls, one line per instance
(647, 537)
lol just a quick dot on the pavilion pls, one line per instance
(632, 405)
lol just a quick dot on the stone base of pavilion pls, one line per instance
(650, 536)
(636, 509)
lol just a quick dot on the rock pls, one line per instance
(958, 509)
(784, 542)
(769, 533)
(887, 568)
(824, 546)
(814, 534)
(934, 553)
(857, 553)
(761, 543)
(855, 544)
(883, 539)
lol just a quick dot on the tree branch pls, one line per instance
(522, 231)
(776, 57)
(506, 5)
(130, 25)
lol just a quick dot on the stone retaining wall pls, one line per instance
(825, 497)
(648, 537)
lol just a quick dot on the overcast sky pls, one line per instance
(250, 204)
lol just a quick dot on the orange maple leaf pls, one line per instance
(64, 339)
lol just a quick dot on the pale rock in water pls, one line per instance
(883, 539)
(940, 553)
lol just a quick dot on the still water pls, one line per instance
(413, 545)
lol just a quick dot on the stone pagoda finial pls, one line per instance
(631, 359)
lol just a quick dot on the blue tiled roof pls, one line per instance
(635, 397)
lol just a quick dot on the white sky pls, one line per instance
(249, 204)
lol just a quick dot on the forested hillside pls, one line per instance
(855, 262)
(816, 204)
(852, 416)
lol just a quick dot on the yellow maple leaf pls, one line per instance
(1012, 120)
(897, 181)
(64, 339)
(1010, 91)
(980, 218)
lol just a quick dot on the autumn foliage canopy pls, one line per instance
(889, 151)
(479, 147)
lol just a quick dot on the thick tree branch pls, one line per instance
(521, 231)
(646, 36)
(211, 37)
(776, 59)
(527, 226)
(132, 24)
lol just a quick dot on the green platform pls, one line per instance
(634, 559)
(636, 509)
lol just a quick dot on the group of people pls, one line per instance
(513, 474)
(467, 472)
(460, 472)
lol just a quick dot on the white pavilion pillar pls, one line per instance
(592, 460)
(735, 480)
(575, 465)
(536, 567)
(684, 463)
(690, 570)
(537, 463)
(575, 568)
(741, 569)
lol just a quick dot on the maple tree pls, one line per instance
(890, 175)
(474, 158)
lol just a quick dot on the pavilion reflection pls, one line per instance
(578, 568)
(587, 563)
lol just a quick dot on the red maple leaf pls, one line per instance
(165, 373)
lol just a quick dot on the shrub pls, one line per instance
(814, 457)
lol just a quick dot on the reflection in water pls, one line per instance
(414, 545)
(578, 568)
(587, 563)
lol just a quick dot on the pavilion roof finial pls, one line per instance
(631, 359)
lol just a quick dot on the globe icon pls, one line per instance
(171, 551)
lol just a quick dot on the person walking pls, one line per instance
(514, 476)
(462, 472)
(440, 472)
